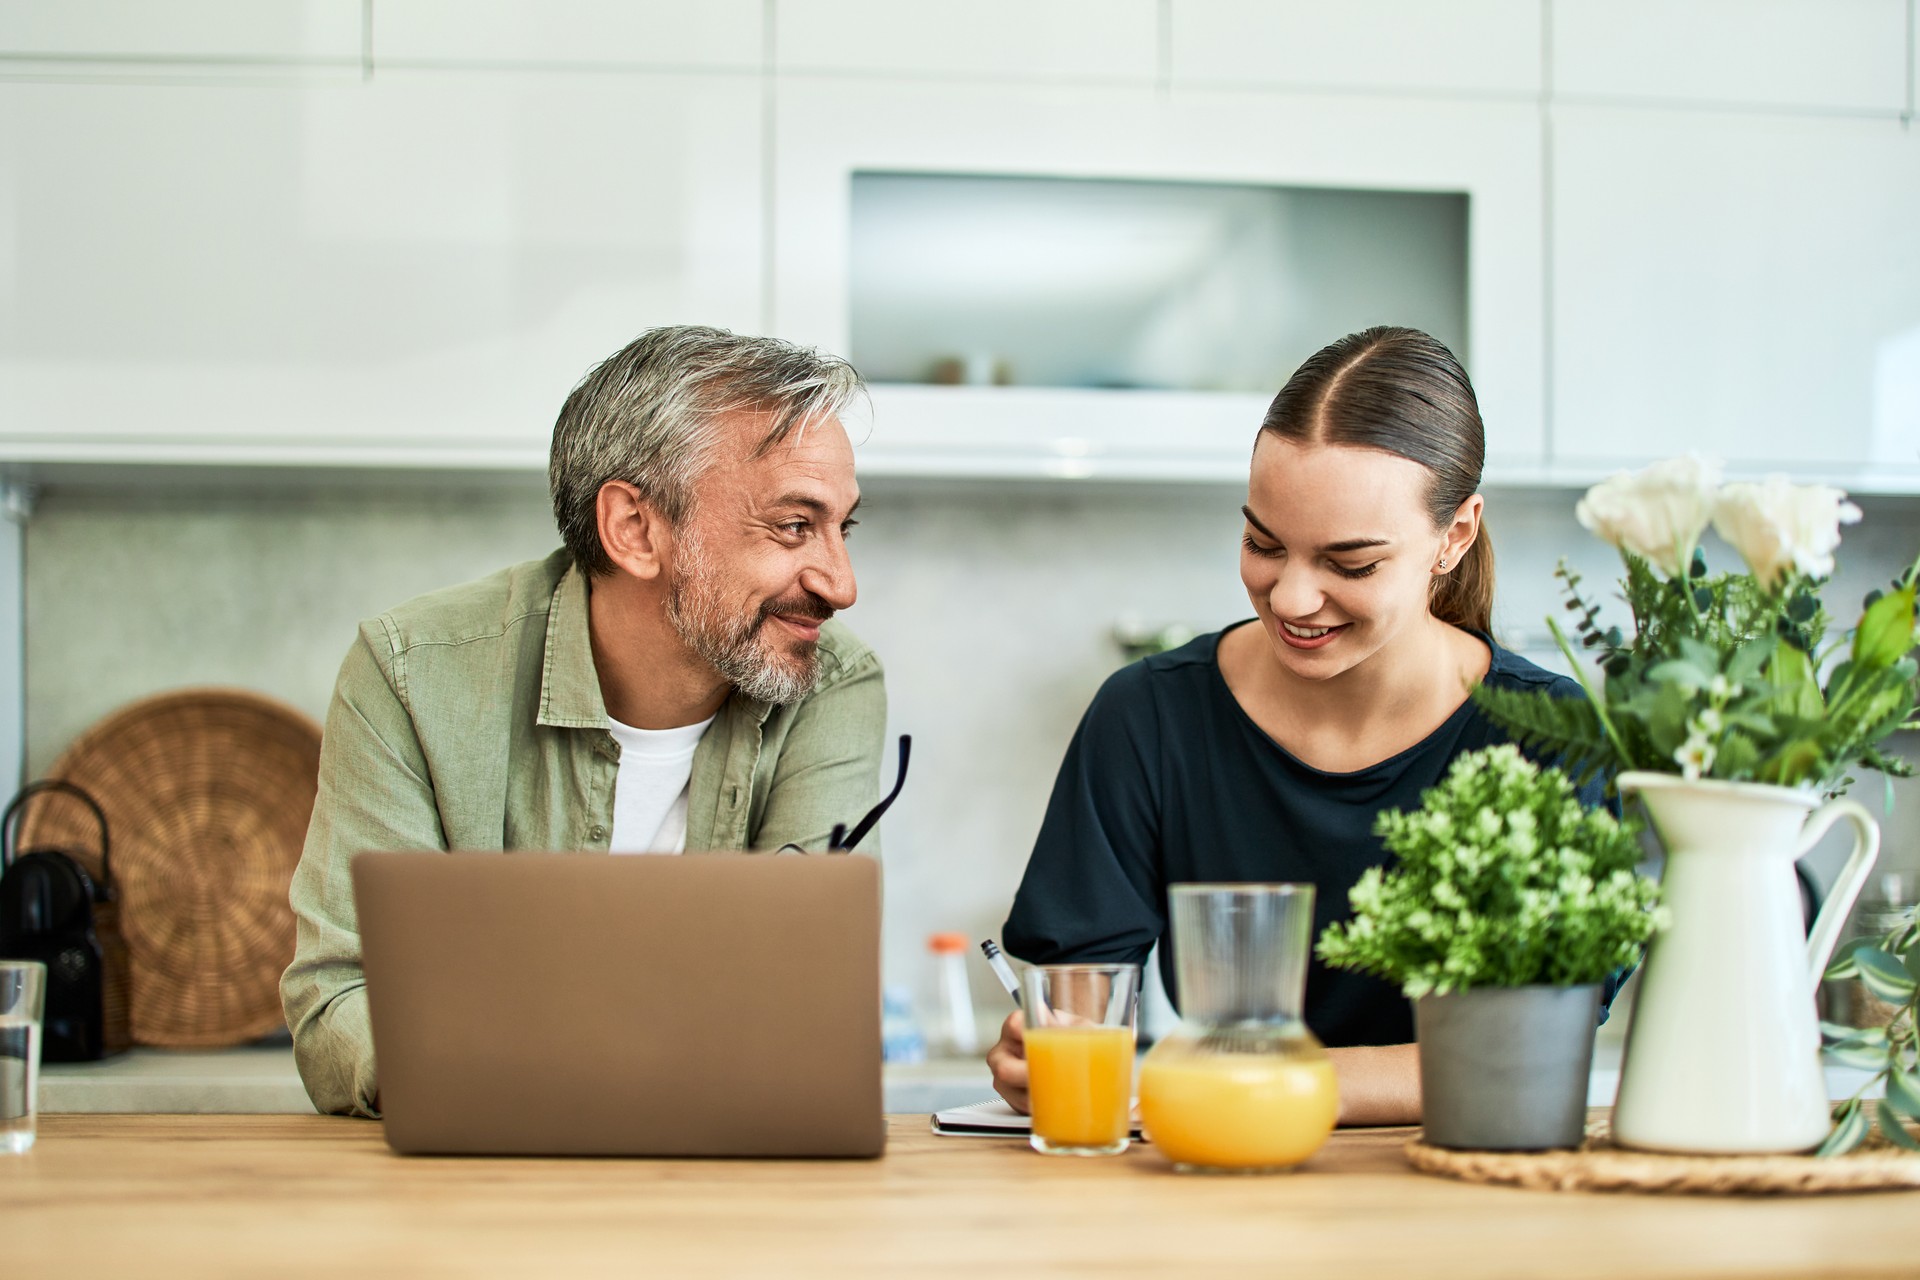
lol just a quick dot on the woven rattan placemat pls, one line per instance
(1599, 1165)
(208, 793)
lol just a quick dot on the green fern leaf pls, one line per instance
(1566, 729)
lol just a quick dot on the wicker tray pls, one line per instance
(208, 793)
(1599, 1165)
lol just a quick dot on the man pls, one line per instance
(671, 680)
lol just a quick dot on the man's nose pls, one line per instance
(831, 576)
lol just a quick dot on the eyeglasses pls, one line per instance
(843, 839)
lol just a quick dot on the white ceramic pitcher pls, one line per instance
(1723, 1054)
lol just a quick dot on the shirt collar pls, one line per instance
(569, 684)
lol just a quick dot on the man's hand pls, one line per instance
(1008, 1062)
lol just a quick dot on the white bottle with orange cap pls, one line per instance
(962, 1036)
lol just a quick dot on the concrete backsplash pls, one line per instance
(992, 605)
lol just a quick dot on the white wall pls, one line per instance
(13, 666)
(991, 605)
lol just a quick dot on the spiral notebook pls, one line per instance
(994, 1119)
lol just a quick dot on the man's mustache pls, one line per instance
(805, 605)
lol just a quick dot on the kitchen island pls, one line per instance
(211, 1196)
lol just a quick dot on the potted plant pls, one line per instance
(1508, 904)
(1727, 711)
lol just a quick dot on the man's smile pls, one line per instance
(805, 628)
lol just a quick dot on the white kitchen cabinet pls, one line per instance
(250, 30)
(712, 34)
(1834, 55)
(1745, 286)
(1399, 46)
(412, 271)
(1071, 39)
(826, 132)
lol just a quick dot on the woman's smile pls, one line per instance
(1300, 637)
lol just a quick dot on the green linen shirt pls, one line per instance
(471, 719)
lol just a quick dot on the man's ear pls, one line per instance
(635, 536)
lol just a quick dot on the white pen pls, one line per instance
(1001, 969)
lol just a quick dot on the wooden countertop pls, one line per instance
(209, 1196)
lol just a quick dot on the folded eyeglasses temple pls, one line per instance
(845, 839)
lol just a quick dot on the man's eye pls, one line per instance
(794, 528)
(847, 527)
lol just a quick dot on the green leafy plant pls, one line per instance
(1502, 878)
(1889, 968)
(1724, 675)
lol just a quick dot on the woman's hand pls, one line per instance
(1379, 1084)
(1008, 1062)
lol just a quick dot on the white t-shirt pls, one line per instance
(650, 792)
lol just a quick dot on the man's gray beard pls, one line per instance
(735, 647)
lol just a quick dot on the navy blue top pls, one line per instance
(1169, 781)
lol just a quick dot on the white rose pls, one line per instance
(1778, 526)
(1658, 514)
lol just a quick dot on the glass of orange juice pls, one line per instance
(1241, 1085)
(1080, 1024)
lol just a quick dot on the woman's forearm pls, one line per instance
(1379, 1084)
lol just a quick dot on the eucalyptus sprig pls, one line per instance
(1889, 968)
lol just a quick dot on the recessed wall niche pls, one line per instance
(1067, 282)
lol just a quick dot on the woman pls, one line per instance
(1265, 751)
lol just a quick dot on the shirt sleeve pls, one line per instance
(1093, 888)
(374, 793)
(829, 766)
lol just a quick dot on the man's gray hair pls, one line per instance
(650, 415)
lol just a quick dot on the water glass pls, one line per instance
(1080, 1037)
(23, 995)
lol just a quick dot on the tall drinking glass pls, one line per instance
(1080, 1025)
(1240, 1085)
(23, 994)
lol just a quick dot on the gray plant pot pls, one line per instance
(1505, 1068)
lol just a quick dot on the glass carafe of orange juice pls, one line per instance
(1241, 1085)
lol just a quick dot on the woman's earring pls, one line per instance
(1443, 562)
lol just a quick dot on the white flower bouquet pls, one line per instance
(1725, 675)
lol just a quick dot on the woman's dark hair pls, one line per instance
(1402, 392)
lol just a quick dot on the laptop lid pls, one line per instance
(580, 1004)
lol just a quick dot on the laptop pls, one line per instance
(581, 1004)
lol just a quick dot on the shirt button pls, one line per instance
(598, 833)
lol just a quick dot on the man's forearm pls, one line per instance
(1379, 1084)
(372, 794)
(333, 1049)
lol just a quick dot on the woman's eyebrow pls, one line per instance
(1332, 548)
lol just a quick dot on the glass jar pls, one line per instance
(1241, 1085)
(1847, 1000)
